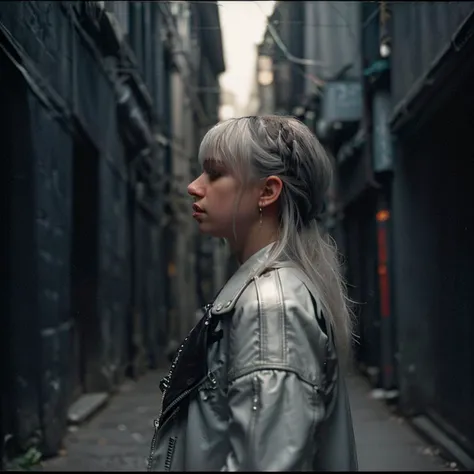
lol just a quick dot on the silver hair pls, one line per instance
(256, 147)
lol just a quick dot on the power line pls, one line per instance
(278, 22)
(277, 38)
(297, 62)
(279, 42)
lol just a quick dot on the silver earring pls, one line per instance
(261, 215)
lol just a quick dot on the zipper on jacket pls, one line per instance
(167, 380)
(184, 395)
(164, 385)
(170, 452)
(153, 442)
(158, 427)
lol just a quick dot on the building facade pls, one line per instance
(387, 91)
(100, 125)
(431, 119)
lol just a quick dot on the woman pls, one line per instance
(258, 384)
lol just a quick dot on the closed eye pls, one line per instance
(213, 170)
(213, 174)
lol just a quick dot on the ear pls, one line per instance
(270, 191)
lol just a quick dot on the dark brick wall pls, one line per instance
(64, 99)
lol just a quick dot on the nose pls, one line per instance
(195, 188)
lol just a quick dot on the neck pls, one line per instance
(256, 240)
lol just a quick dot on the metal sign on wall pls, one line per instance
(342, 101)
(382, 138)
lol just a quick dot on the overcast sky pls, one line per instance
(243, 25)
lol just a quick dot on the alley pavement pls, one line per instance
(118, 437)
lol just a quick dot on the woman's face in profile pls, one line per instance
(216, 194)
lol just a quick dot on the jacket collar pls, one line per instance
(237, 283)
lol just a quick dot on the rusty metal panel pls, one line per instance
(421, 30)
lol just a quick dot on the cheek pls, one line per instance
(224, 196)
(249, 204)
(229, 201)
(245, 213)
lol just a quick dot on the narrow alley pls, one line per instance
(118, 437)
(106, 106)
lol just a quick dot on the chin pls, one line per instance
(211, 233)
(206, 229)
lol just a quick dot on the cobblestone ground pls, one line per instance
(119, 436)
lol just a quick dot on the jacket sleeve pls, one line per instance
(274, 415)
(276, 358)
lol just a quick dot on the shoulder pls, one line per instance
(275, 324)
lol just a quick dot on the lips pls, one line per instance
(197, 208)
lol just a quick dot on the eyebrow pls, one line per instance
(212, 163)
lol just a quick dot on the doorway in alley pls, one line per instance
(6, 100)
(361, 254)
(84, 255)
(20, 350)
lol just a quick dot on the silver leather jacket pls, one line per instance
(256, 384)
